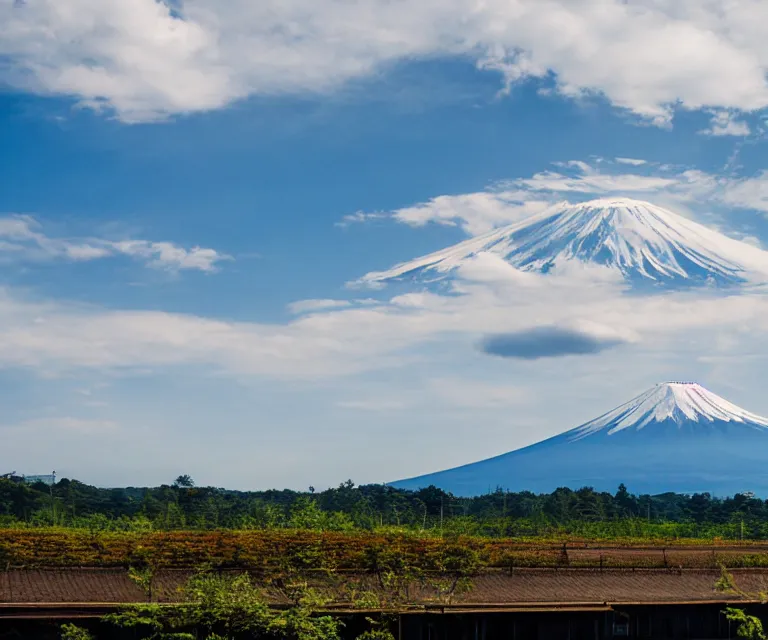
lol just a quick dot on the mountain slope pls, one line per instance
(645, 243)
(675, 437)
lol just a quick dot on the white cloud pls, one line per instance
(360, 216)
(56, 338)
(474, 212)
(491, 268)
(591, 181)
(146, 60)
(305, 306)
(165, 255)
(726, 123)
(22, 239)
(513, 67)
(687, 191)
(748, 193)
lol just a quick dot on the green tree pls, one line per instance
(748, 627)
(73, 632)
(456, 565)
(227, 607)
(184, 481)
(306, 514)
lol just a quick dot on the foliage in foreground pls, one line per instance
(747, 626)
(231, 607)
(73, 632)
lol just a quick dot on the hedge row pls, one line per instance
(352, 552)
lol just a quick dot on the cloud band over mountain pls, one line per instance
(547, 342)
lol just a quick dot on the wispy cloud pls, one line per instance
(686, 190)
(306, 306)
(516, 199)
(474, 212)
(22, 239)
(636, 162)
(590, 180)
(146, 61)
(726, 123)
(748, 193)
(360, 216)
(166, 255)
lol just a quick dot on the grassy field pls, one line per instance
(312, 550)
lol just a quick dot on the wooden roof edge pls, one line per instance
(657, 603)
(97, 610)
(428, 607)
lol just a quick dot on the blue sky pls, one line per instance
(165, 197)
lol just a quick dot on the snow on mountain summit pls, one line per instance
(677, 402)
(644, 242)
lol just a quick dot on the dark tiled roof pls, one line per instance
(68, 585)
(611, 586)
(527, 587)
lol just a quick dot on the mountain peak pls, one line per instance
(676, 436)
(608, 203)
(642, 241)
(676, 402)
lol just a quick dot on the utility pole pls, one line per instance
(53, 508)
(441, 515)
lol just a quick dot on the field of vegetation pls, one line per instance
(361, 551)
(351, 528)
(562, 515)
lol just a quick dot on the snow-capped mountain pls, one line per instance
(673, 402)
(645, 243)
(676, 436)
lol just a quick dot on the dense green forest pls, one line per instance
(182, 505)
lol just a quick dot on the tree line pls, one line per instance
(581, 512)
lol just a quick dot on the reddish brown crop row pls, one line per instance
(338, 551)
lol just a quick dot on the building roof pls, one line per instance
(26, 591)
